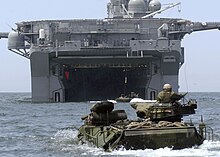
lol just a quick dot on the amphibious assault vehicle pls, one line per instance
(159, 125)
(129, 51)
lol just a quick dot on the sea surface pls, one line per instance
(42, 129)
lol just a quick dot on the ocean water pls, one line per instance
(41, 130)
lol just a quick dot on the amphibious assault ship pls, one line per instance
(98, 59)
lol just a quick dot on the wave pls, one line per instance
(66, 140)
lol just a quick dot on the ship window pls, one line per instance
(134, 53)
(169, 59)
(152, 95)
(57, 96)
(53, 70)
(155, 69)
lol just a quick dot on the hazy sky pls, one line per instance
(201, 70)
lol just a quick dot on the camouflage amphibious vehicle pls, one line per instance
(158, 126)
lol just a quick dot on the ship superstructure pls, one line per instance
(97, 59)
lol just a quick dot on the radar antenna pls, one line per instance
(161, 10)
(11, 28)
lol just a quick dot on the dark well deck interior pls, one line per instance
(82, 84)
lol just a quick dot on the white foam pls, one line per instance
(139, 100)
(207, 149)
(68, 134)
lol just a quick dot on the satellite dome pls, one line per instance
(154, 5)
(16, 40)
(137, 6)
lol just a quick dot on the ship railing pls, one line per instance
(76, 45)
(209, 133)
(206, 132)
(82, 44)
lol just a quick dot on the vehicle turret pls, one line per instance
(172, 112)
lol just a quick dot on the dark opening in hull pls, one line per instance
(103, 83)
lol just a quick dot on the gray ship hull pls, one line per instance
(97, 59)
(66, 78)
